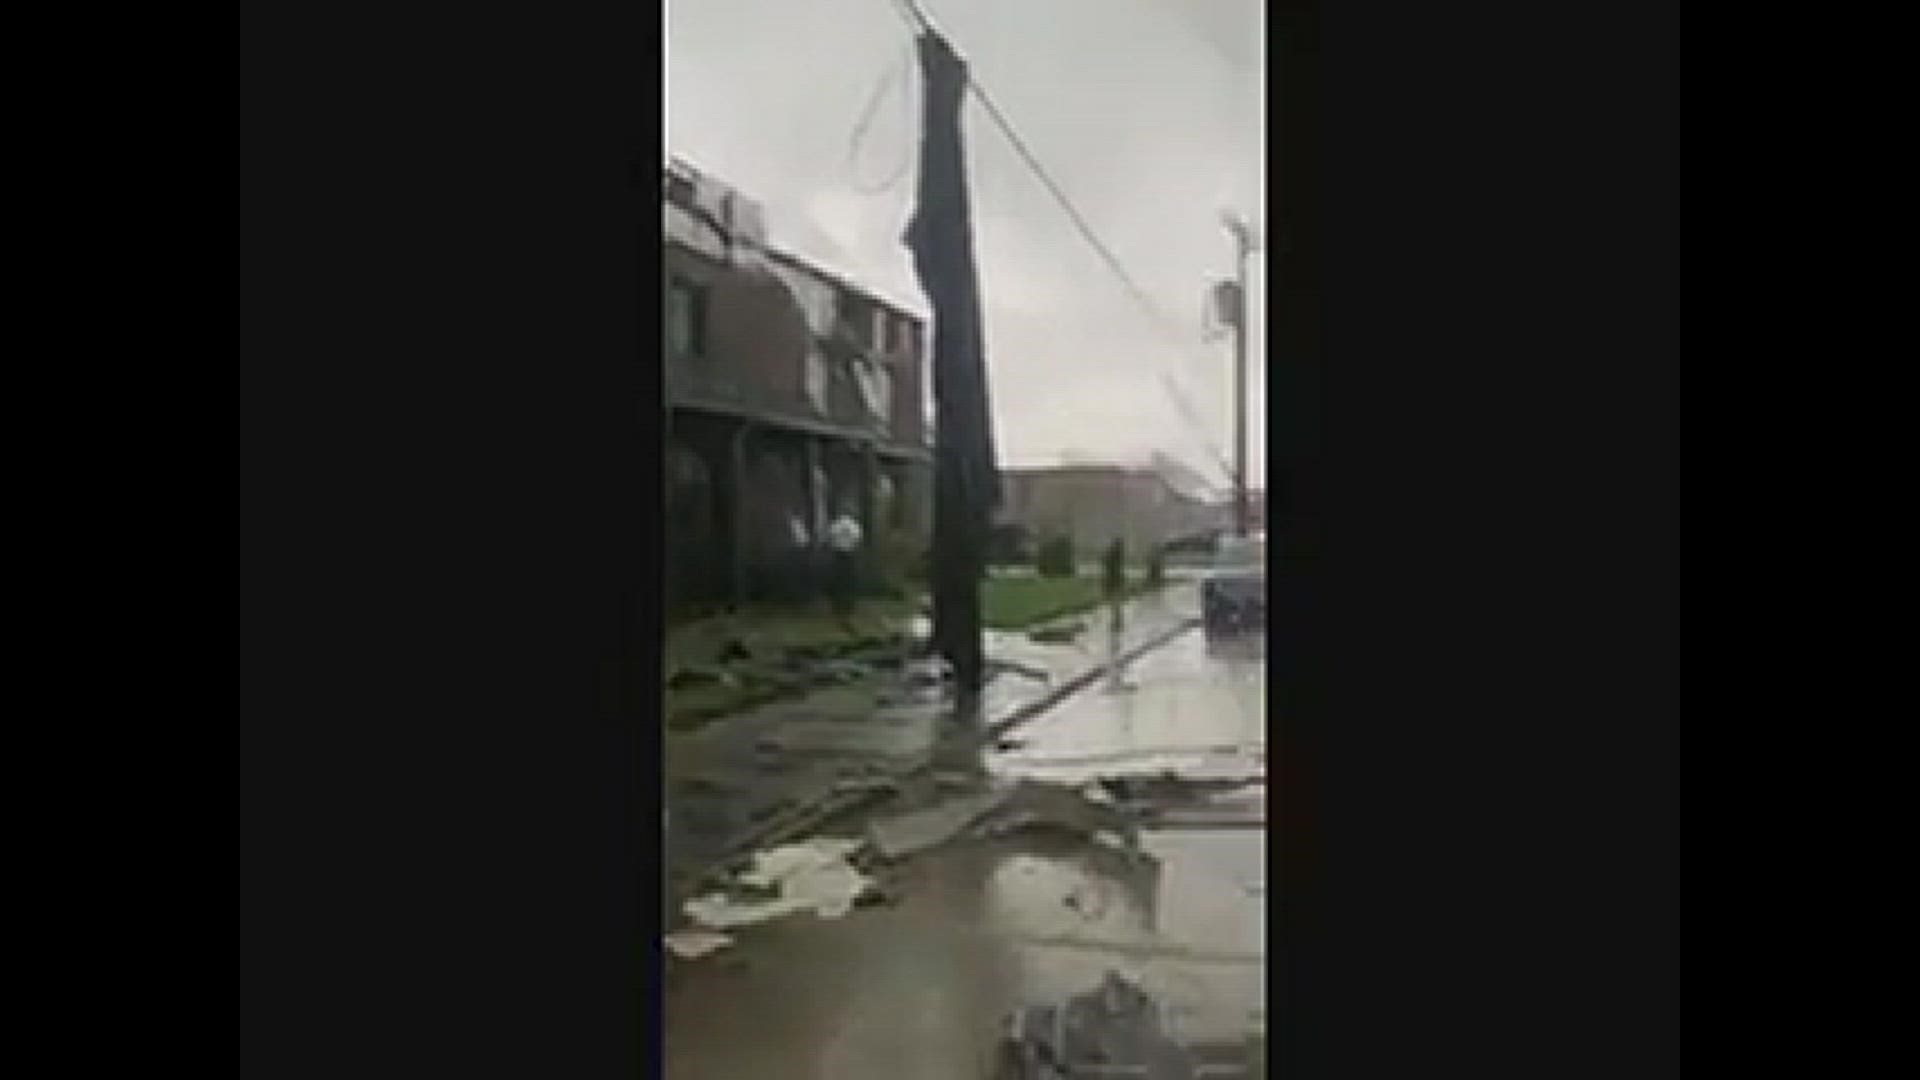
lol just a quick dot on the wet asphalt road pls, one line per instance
(919, 990)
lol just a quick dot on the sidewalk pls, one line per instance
(998, 932)
(735, 780)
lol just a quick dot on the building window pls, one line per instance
(686, 318)
(856, 319)
(900, 337)
(883, 398)
(816, 381)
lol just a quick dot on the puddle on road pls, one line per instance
(1186, 928)
(982, 929)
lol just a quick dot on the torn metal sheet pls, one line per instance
(694, 944)
(813, 875)
(720, 912)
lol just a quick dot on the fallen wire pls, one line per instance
(861, 128)
(1222, 750)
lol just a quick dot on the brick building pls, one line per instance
(791, 393)
(1144, 507)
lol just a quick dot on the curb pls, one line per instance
(833, 802)
(1020, 714)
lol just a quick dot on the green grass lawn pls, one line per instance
(768, 632)
(1017, 603)
(772, 629)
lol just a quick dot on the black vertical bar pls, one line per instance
(965, 480)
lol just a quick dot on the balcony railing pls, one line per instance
(715, 384)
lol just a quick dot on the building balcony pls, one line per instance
(842, 410)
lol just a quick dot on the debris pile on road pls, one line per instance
(962, 805)
(1112, 1030)
(1001, 810)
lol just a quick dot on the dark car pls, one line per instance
(1233, 595)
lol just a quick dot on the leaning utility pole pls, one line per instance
(965, 477)
(1243, 243)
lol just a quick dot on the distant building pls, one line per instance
(790, 392)
(1095, 504)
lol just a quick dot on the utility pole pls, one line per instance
(965, 472)
(1243, 244)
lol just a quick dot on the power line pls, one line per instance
(919, 22)
(867, 115)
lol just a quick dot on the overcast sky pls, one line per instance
(1149, 113)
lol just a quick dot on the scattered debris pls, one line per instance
(927, 673)
(688, 677)
(1115, 1029)
(739, 889)
(842, 671)
(995, 667)
(1041, 805)
(1058, 633)
(694, 944)
(1085, 812)
(848, 784)
(1170, 787)
(879, 895)
(812, 875)
(910, 833)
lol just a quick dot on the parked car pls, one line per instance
(1233, 594)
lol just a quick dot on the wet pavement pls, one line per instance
(737, 774)
(977, 930)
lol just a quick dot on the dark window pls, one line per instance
(686, 318)
(680, 191)
(907, 338)
(856, 319)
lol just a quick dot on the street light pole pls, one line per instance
(1242, 244)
